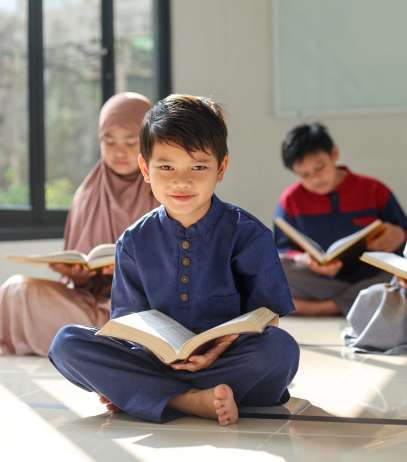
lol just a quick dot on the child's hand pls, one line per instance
(390, 239)
(329, 269)
(402, 283)
(78, 273)
(198, 362)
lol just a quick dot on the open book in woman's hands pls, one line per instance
(346, 249)
(170, 341)
(99, 256)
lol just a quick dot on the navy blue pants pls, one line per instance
(258, 368)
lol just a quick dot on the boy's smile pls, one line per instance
(184, 183)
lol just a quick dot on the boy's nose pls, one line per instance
(182, 178)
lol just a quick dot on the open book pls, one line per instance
(346, 249)
(387, 261)
(99, 256)
(170, 341)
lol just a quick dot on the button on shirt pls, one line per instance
(221, 267)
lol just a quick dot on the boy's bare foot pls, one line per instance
(109, 405)
(214, 403)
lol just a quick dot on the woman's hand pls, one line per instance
(198, 362)
(329, 269)
(390, 239)
(79, 274)
(108, 270)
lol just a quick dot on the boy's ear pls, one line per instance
(335, 153)
(222, 167)
(143, 168)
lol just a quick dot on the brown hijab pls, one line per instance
(106, 203)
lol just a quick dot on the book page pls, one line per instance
(101, 251)
(254, 321)
(306, 243)
(389, 262)
(349, 240)
(68, 256)
(159, 325)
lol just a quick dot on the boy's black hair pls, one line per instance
(303, 140)
(195, 123)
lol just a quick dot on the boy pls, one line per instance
(200, 261)
(330, 202)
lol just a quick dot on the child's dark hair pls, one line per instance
(195, 123)
(304, 140)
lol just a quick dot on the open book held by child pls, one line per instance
(170, 341)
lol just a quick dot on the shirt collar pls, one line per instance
(198, 229)
(347, 182)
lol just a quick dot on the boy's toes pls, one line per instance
(224, 420)
(219, 404)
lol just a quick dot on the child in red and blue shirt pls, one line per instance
(330, 202)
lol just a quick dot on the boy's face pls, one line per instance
(318, 172)
(182, 183)
(120, 148)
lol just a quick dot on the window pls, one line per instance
(13, 101)
(62, 59)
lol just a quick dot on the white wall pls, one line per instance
(223, 48)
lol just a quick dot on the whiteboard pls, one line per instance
(339, 56)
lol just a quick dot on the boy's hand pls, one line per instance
(402, 283)
(198, 362)
(329, 269)
(79, 274)
(390, 239)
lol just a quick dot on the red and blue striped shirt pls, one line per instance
(356, 202)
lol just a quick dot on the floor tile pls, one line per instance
(314, 331)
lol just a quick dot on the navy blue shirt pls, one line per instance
(224, 265)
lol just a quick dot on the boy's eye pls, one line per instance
(199, 167)
(165, 167)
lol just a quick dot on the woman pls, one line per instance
(111, 197)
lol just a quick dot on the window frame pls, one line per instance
(35, 221)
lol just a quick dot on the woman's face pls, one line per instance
(120, 148)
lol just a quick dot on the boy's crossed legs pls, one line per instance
(255, 371)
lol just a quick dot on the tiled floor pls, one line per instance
(46, 418)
